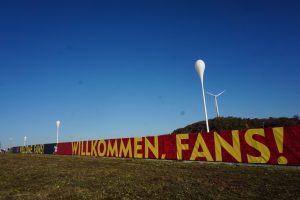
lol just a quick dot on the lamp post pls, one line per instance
(200, 67)
(57, 127)
(25, 138)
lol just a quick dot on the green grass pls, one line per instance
(66, 177)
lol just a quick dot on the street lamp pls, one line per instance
(57, 127)
(200, 67)
(25, 138)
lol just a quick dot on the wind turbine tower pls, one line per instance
(216, 101)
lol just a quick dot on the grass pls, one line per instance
(66, 177)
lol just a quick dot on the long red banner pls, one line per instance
(279, 145)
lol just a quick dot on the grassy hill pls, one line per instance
(46, 177)
(235, 123)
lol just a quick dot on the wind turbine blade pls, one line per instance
(210, 94)
(221, 93)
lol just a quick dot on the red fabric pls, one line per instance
(167, 146)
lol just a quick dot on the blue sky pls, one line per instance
(126, 68)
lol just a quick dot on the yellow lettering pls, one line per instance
(74, 148)
(127, 150)
(79, 148)
(87, 152)
(137, 147)
(104, 148)
(28, 149)
(93, 148)
(82, 150)
(204, 153)
(263, 149)
(22, 149)
(180, 146)
(111, 151)
(39, 149)
(153, 148)
(234, 150)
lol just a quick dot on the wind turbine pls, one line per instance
(216, 101)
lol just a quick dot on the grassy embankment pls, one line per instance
(65, 177)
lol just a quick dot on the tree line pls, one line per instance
(235, 123)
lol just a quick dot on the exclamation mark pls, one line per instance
(278, 135)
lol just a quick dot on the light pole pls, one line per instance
(25, 138)
(200, 67)
(57, 127)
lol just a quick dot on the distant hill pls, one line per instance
(235, 123)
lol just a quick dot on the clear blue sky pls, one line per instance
(126, 68)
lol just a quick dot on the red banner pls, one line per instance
(279, 145)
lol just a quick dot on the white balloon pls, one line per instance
(200, 67)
